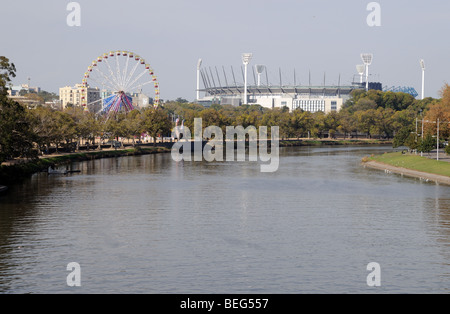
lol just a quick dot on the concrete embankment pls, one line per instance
(408, 172)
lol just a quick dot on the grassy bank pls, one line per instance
(17, 172)
(413, 162)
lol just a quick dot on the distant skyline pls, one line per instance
(306, 35)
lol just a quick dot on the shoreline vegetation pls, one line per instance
(28, 131)
(18, 171)
(15, 171)
(411, 165)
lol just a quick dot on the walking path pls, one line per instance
(442, 155)
(408, 172)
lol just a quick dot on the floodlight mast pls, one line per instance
(259, 70)
(246, 57)
(199, 64)
(367, 59)
(422, 65)
(360, 69)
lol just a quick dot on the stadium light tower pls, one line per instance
(259, 70)
(246, 57)
(199, 64)
(422, 65)
(367, 59)
(360, 69)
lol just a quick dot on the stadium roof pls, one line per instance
(271, 90)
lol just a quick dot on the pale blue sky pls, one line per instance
(317, 35)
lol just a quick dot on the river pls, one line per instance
(148, 224)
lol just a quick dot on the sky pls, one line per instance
(323, 37)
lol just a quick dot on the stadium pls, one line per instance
(223, 89)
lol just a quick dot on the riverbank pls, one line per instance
(332, 142)
(16, 172)
(411, 165)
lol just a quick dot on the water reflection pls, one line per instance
(147, 224)
(437, 215)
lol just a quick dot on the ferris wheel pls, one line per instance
(118, 81)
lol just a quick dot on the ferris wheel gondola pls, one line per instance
(118, 75)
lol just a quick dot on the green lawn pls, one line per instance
(414, 162)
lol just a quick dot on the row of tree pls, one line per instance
(431, 123)
(27, 132)
(372, 113)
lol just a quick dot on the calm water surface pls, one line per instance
(150, 225)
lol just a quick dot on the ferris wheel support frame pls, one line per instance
(120, 81)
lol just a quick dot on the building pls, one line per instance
(77, 95)
(15, 90)
(307, 98)
(311, 98)
(141, 100)
(30, 103)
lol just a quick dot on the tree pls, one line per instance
(7, 70)
(383, 118)
(389, 100)
(403, 138)
(66, 130)
(445, 93)
(298, 123)
(331, 123)
(427, 144)
(16, 137)
(181, 100)
(346, 122)
(88, 126)
(376, 96)
(156, 122)
(43, 125)
(276, 117)
(439, 110)
(365, 120)
(35, 97)
(134, 125)
(364, 104)
(114, 127)
(318, 124)
(403, 118)
(404, 101)
(210, 117)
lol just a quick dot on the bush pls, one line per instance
(447, 149)
(427, 144)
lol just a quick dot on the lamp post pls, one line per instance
(246, 57)
(422, 65)
(437, 138)
(367, 59)
(438, 125)
(438, 122)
